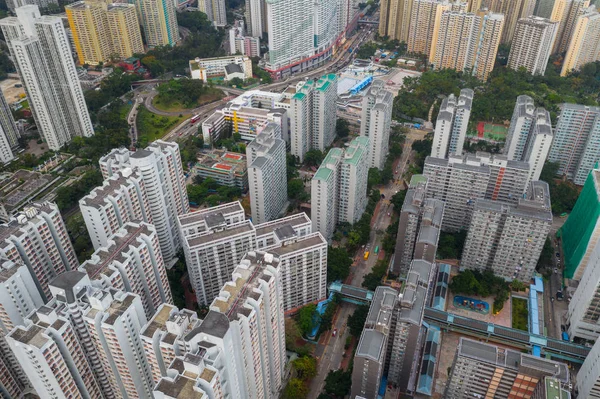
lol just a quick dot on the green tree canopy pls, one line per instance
(356, 321)
(304, 318)
(338, 264)
(337, 383)
(313, 158)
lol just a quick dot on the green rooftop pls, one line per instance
(323, 173)
(299, 96)
(416, 179)
(324, 86)
(194, 66)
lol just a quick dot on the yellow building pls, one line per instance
(394, 20)
(159, 21)
(584, 46)
(102, 31)
(467, 41)
(426, 15)
(513, 10)
(87, 20)
(566, 13)
(124, 30)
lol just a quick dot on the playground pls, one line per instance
(490, 131)
(474, 305)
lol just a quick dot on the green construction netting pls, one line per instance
(580, 225)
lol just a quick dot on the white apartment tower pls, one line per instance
(9, 134)
(244, 329)
(163, 337)
(38, 238)
(584, 46)
(588, 376)
(255, 18)
(213, 247)
(40, 48)
(324, 194)
(51, 355)
(538, 143)
(115, 320)
(313, 115)
(451, 125)
(215, 11)
(376, 119)
(132, 262)
(576, 144)
(19, 297)
(506, 238)
(532, 44)
(159, 20)
(267, 177)
(520, 126)
(160, 168)
(121, 198)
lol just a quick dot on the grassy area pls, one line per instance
(520, 314)
(124, 110)
(178, 106)
(153, 127)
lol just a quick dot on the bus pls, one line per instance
(195, 119)
(377, 249)
(366, 255)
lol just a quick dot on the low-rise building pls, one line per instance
(226, 168)
(208, 68)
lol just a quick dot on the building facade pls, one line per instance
(159, 20)
(376, 119)
(451, 125)
(532, 44)
(584, 46)
(214, 10)
(267, 177)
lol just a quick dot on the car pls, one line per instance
(558, 254)
(334, 332)
(559, 295)
(555, 270)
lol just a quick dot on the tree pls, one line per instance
(313, 158)
(338, 264)
(549, 171)
(327, 317)
(342, 128)
(398, 199)
(295, 388)
(304, 318)
(356, 321)
(372, 280)
(374, 178)
(305, 367)
(292, 166)
(295, 189)
(337, 383)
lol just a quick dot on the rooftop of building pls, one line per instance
(117, 246)
(200, 215)
(332, 158)
(297, 219)
(8, 269)
(32, 335)
(118, 306)
(301, 243)
(371, 344)
(158, 321)
(68, 281)
(180, 387)
(97, 198)
(384, 300)
(220, 160)
(244, 227)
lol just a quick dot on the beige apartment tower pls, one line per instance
(124, 30)
(584, 46)
(513, 10)
(425, 16)
(394, 21)
(566, 12)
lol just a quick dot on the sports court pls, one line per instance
(491, 131)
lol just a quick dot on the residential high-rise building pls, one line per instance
(543, 8)
(394, 20)
(532, 44)
(588, 376)
(508, 239)
(40, 49)
(519, 128)
(212, 254)
(132, 262)
(38, 238)
(576, 144)
(70, 301)
(52, 357)
(425, 16)
(513, 10)
(242, 335)
(267, 177)
(451, 125)
(14, 4)
(121, 198)
(214, 10)
(393, 336)
(376, 119)
(339, 187)
(459, 181)
(418, 227)
(255, 18)
(313, 115)
(9, 133)
(115, 320)
(529, 136)
(19, 297)
(584, 46)
(89, 27)
(124, 30)
(465, 40)
(480, 368)
(163, 337)
(161, 170)
(581, 231)
(159, 20)
(242, 44)
(538, 143)
(566, 13)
